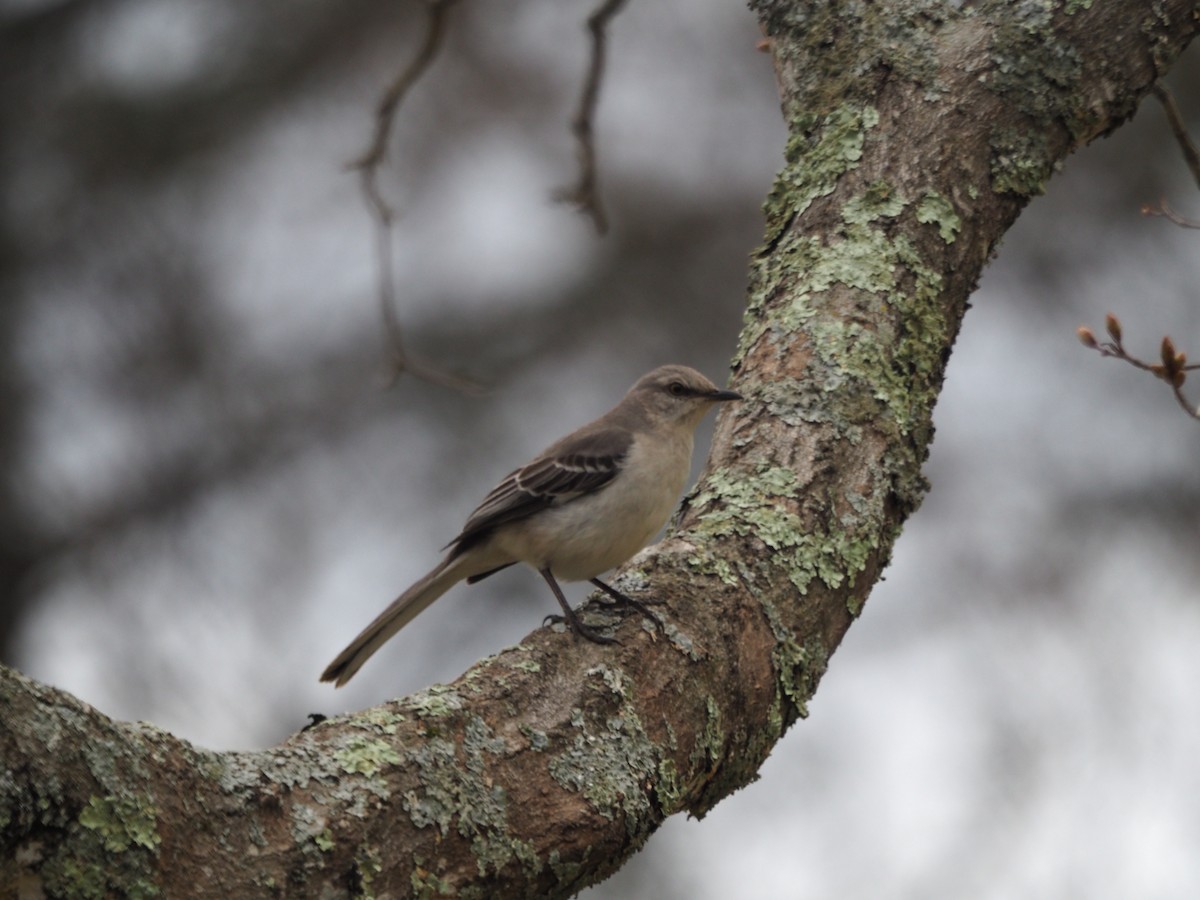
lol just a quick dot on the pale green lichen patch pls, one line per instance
(495, 669)
(668, 789)
(893, 364)
(881, 200)
(109, 858)
(1034, 68)
(455, 794)
(714, 567)
(609, 760)
(934, 209)
(710, 742)
(759, 505)
(1021, 162)
(309, 827)
(798, 401)
(122, 822)
(538, 739)
(366, 756)
(820, 150)
(681, 641)
(613, 678)
(380, 719)
(799, 670)
(1041, 75)
(435, 702)
(794, 684)
(896, 363)
(865, 259)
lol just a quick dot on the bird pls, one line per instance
(583, 506)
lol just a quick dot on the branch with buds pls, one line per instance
(1191, 155)
(1172, 368)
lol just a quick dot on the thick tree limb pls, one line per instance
(918, 132)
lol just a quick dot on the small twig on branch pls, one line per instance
(1172, 369)
(383, 215)
(1166, 212)
(385, 113)
(584, 194)
(1191, 154)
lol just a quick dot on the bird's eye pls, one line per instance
(676, 389)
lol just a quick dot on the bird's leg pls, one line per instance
(569, 614)
(622, 599)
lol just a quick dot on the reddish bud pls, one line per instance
(1113, 326)
(1086, 337)
(1168, 354)
(1180, 378)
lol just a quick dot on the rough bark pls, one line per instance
(917, 133)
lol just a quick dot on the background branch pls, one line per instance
(1172, 367)
(1191, 155)
(382, 214)
(585, 193)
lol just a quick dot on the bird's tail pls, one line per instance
(403, 610)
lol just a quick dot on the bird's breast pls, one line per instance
(597, 532)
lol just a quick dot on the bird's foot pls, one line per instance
(573, 622)
(641, 606)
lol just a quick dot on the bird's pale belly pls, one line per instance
(582, 537)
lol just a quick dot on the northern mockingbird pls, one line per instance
(585, 505)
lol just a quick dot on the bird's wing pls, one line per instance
(579, 465)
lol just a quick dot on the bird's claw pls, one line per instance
(579, 628)
(642, 606)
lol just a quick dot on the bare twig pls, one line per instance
(584, 194)
(1172, 369)
(385, 113)
(383, 215)
(1191, 154)
(1166, 212)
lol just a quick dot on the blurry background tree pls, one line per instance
(206, 488)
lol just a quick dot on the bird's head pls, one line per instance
(678, 394)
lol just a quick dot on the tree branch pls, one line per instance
(1165, 211)
(585, 194)
(1172, 367)
(917, 133)
(382, 214)
(1191, 155)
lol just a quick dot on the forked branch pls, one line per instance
(1172, 367)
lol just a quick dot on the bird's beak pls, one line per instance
(721, 396)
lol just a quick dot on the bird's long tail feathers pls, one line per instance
(403, 610)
